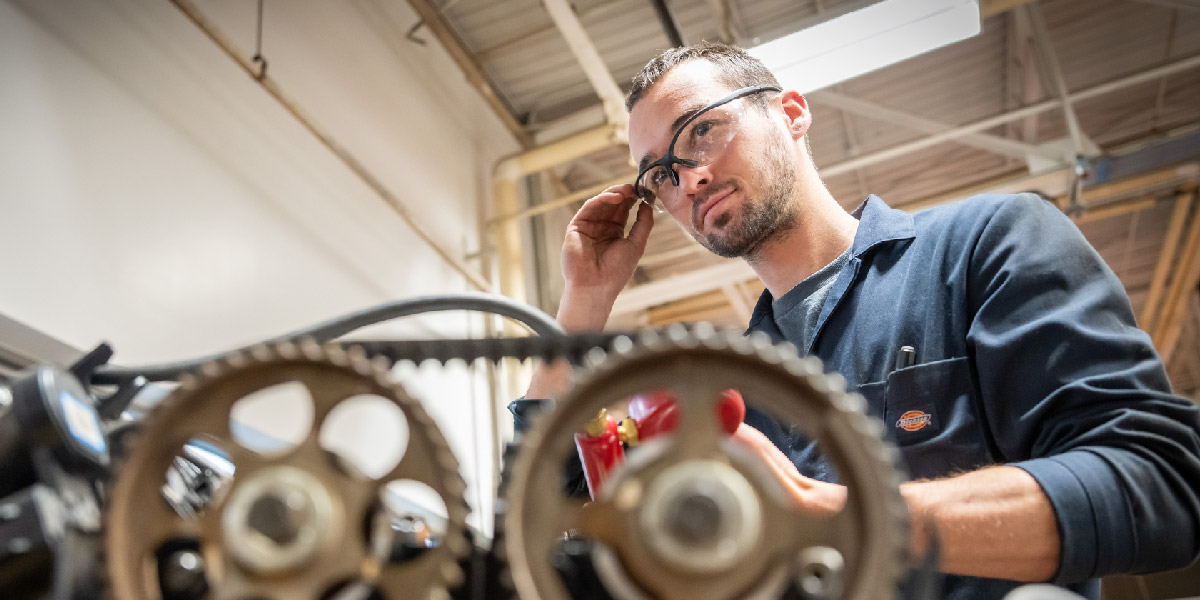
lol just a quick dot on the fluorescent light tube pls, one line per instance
(867, 39)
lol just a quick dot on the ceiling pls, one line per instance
(958, 120)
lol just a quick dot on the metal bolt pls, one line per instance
(820, 574)
(9, 511)
(182, 576)
(695, 519)
(279, 519)
(19, 545)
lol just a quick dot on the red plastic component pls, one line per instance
(600, 454)
(654, 414)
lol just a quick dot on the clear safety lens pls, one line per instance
(701, 141)
(704, 139)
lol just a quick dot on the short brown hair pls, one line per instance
(736, 67)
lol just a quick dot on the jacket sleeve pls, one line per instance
(1075, 394)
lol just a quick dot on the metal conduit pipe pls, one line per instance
(197, 18)
(571, 198)
(509, 170)
(669, 24)
(585, 52)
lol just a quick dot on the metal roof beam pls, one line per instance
(472, 70)
(669, 24)
(1023, 85)
(594, 67)
(1051, 68)
(892, 116)
(1118, 84)
(724, 20)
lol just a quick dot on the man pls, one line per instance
(1035, 418)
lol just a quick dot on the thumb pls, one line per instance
(639, 234)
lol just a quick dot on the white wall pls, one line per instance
(154, 196)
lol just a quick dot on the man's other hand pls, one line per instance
(809, 495)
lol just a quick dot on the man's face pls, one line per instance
(738, 201)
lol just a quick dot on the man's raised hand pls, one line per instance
(597, 256)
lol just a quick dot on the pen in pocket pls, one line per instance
(906, 356)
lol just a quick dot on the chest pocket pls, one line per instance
(930, 413)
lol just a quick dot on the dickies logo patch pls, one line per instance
(914, 420)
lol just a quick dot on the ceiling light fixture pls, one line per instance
(867, 39)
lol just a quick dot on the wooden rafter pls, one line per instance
(1166, 258)
(1167, 330)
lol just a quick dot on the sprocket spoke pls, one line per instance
(159, 524)
(791, 529)
(699, 432)
(418, 464)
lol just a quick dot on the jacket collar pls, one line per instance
(878, 223)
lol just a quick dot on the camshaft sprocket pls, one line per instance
(759, 540)
(336, 504)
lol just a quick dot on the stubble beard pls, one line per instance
(763, 218)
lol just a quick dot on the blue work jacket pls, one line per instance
(1027, 354)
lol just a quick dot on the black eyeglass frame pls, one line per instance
(669, 160)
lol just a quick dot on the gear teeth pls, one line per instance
(760, 340)
(678, 333)
(381, 362)
(237, 360)
(311, 350)
(594, 358)
(648, 338)
(187, 383)
(622, 345)
(336, 355)
(210, 370)
(704, 330)
(837, 383)
(126, 486)
(262, 353)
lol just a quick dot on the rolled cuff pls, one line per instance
(1089, 506)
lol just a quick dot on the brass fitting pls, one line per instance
(598, 425)
(627, 431)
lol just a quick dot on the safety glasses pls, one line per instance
(699, 141)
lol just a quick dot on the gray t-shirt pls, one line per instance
(797, 311)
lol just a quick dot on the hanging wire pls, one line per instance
(258, 57)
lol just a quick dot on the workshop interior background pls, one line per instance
(163, 191)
